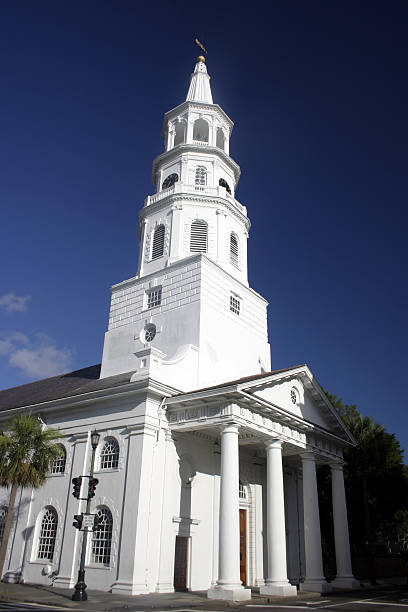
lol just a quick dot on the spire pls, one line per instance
(200, 90)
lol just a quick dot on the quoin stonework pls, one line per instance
(207, 457)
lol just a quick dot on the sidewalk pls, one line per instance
(100, 601)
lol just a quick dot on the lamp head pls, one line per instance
(95, 437)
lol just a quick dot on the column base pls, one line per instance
(64, 582)
(345, 582)
(233, 592)
(165, 587)
(128, 588)
(316, 585)
(12, 577)
(284, 589)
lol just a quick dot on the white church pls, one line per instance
(207, 458)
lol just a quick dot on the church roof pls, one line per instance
(58, 387)
(244, 379)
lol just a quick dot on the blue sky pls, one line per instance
(318, 94)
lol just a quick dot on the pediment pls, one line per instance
(297, 393)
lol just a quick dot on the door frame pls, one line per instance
(245, 511)
(188, 559)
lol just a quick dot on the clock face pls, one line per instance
(170, 180)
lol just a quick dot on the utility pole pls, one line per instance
(80, 587)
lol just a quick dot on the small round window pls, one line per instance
(150, 333)
(293, 396)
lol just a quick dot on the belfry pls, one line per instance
(207, 458)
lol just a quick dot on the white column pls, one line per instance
(344, 578)
(229, 585)
(277, 580)
(314, 579)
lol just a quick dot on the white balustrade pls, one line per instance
(197, 189)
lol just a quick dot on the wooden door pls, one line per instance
(242, 546)
(180, 564)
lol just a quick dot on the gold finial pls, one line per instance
(201, 58)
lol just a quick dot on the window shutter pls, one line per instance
(158, 242)
(198, 236)
(234, 250)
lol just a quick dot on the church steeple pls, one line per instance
(189, 318)
(200, 89)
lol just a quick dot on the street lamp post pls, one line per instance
(80, 587)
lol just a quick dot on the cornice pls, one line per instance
(239, 391)
(186, 148)
(182, 263)
(201, 198)
(200, 106)
(145, 386)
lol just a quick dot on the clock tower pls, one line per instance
(188, 318)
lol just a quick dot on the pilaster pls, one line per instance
(131, 577)
(72, 538)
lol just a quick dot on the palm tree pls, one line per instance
(26, 450)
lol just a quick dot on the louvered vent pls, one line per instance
(200, 175)
(198, 236)
(234, 250)
(158, 242)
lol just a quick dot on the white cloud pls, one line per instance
(14, 303)
(36, 358)
(8, 343)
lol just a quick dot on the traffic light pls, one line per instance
(78, 520)
(77, 486)
(91, 487)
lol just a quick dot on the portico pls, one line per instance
(242, 418)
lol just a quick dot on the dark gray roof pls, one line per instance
(58, 387)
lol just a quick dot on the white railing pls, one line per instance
(178, 187)
(200, 143)
(183, 188)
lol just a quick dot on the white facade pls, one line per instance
(207, 459)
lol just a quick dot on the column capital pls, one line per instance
(230, 428)
(308, 456)
(273, 443)
(337, 465)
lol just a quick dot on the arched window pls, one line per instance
(110, 454)
(48, 533)
(200, 130)
(223, 183)
(179, 135)
(3, 516)
(234, 249)
(158, 242)
(220, 142)
(102, 537)
(198, 236)
(58, 464)
(170, 180)
(201, 175)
